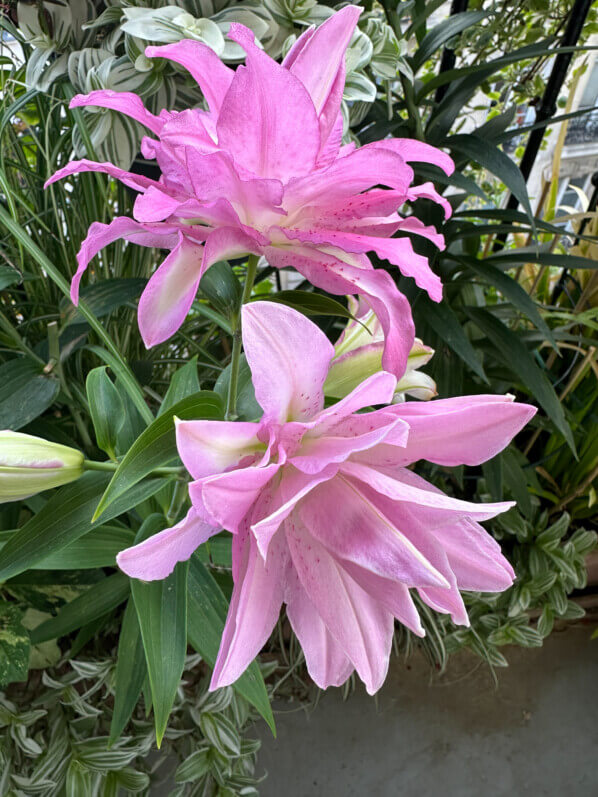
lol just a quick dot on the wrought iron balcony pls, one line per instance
(583, 129)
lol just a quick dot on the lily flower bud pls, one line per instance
(358, 354)
(29, 465)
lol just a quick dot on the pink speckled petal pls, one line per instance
(276, 139)
(135, 181)
(360, 624)
(335, 275)
(289, 359)
(254, 607)
(466, 430)
(326, 661)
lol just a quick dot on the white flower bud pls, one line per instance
(29, 465)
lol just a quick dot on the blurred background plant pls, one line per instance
(520, 315)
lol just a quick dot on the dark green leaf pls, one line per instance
(184, 383)
(106, 409)
(516, 481)
(221, 288)
(97, 548)
(25, 392)
(309, 303)
(507, 257)
(511, 290)
(496, 161)
(463, 80)
(104, 297)
(131, 671)
(9, 276)
(64, 518)
(156, 446)
(448, 327)
(456, 179)
(247, 407)
(114, 357)
(512, 351)
(207, 615)
(127, 379)
(162, 613)
(493, 474)
(439, 35)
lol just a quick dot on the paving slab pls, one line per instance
(457, 735)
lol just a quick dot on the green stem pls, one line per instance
(412, 108)
(235, 361)
(90, 464)
(11, 332)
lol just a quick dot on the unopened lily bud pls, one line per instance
(358, 355)
(29, 465)
(413, 382)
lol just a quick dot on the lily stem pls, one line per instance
(235, 360)
(412, 108)
(90, 464)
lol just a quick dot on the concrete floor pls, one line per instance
(458, 736)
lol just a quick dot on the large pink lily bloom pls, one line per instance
(326, 515)
(263, 172)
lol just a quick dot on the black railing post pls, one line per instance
(448, 56)
(548, 105)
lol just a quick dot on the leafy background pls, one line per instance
(96, 668)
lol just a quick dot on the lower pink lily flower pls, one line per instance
(326, 516)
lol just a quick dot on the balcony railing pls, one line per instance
(583, 129)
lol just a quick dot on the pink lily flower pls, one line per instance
(326, 515)
(263, 172)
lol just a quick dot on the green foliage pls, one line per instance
(14, 645)
(62, 745)
(83, 378)
(549, 561)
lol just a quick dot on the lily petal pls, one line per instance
(254, 607)
(168, 296)
(402, 488)
(393, 595)
(156, 557)
(210, 447)
(294, 486)
(326, 661)
(320, 64)
(227, 498)
(205, 67)
(225, 243)
(122, 101)
(100, 235)
(135, 181)
(467, 430)
(335, 275)
(414, 151)
(288, 366)
(344, 516)
(270, 139)
(359, 623)
(396, 250)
